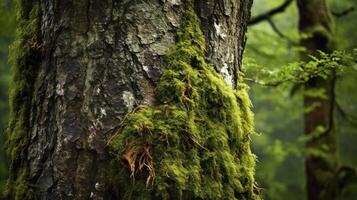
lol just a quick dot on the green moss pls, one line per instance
(195, 145)
(24, 58)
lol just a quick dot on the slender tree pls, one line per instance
(130, 100)
(316, 25)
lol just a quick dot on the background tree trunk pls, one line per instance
(321, 161)
(85, 65)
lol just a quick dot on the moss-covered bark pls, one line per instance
(94, 62)
(195, 144)
(25, 59)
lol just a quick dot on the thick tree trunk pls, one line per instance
(321, 161)
(87, 64)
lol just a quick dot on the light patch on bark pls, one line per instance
(92, 135)
(174, 2)
(98, 186)
(59, 90)
(146, 68)
(226, 75)
(173, 18)
(160, 48)
(129, 99)
(219, 30)
(103, 112)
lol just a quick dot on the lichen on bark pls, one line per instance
(24, 58)
(195, 144)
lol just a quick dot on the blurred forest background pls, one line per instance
(278, 110)
(7, 34)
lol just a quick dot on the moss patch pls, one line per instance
(24, 59)
(195, 144)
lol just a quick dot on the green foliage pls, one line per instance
(24, 58)
(195, 144)
(301, 72)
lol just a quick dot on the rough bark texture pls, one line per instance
(99, 60)
(321, 163)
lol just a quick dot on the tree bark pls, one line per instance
(96, 61)
(321, 161)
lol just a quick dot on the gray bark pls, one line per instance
(100, 59)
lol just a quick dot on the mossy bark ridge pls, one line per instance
(195, 144)
(25, 61)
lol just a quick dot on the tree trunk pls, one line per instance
(321, 161)
(82, 67)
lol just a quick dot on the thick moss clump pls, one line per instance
(24, 59)
(195, 144)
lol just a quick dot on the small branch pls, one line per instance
(345, 176)
(258, 51)
(277, 31)
(275, 84)
(343, 13)
(269, 14)
(332, 100)
(348, 117)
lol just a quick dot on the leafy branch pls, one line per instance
(301, 72)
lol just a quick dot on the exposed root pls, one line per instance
(139, 158)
